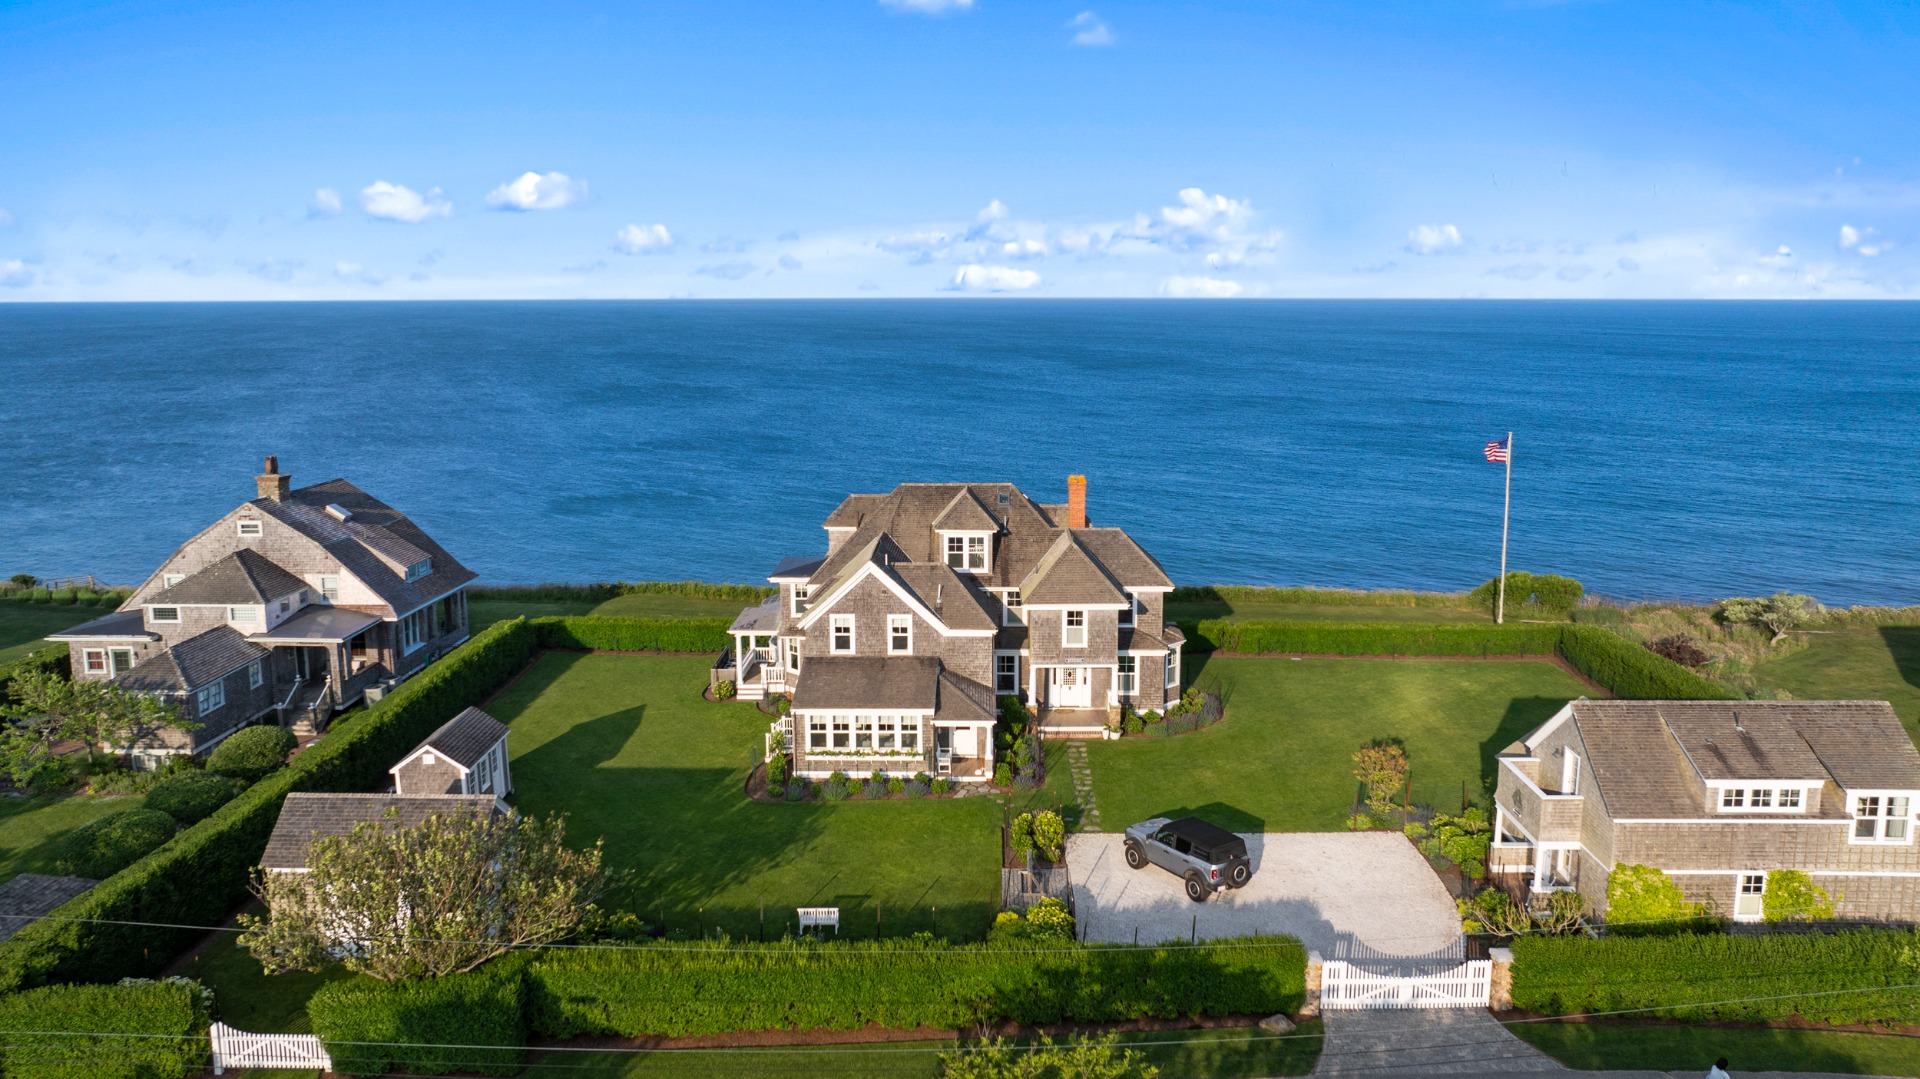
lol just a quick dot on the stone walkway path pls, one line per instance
(1083, 786)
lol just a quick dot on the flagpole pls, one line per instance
(1506, 511)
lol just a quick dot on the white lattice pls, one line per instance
(1346, 986)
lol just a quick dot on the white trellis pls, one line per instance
(242, 1049)
(1346, 986)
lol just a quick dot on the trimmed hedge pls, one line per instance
(149, 1030)
(693, 989)
(203, 873)
(101, 848)
(1624, 668)
(1329, 597)
(1742, 977)
(430, 1026)
(191, 797)
(252, 752)
(598, 633)
(601, 592)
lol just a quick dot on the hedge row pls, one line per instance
(155, 1030)
(198, 877)
(1624, 668)
(606, 634)
(601, 592)
(695, 990)
(429, 1027)
(1331, 597)
(1825, 978)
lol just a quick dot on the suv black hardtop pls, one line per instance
(1203, 854)
(1210, 842)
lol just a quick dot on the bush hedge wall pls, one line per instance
(150, 1030)
(1329, 597)
(693, 989)
(198, 877)
(601, 592)
(611, 634)
(1723, 976)
(1624, 668)
(431, 1026)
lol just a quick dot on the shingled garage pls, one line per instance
(306, 817)
(467, 755)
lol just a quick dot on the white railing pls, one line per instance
(1346, 986)
(240, 1049)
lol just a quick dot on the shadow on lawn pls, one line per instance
(1523, 715)
(1232, 818)
(1904, 643)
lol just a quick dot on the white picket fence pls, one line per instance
(1346, 986)
(241, 1049)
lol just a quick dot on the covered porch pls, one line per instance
(755, 663)
(327, 658)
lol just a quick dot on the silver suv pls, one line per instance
(1206, 856)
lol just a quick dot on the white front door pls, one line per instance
(1072, 688)
(964, 744)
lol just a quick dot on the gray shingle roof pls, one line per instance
(763, 618)
(193, 663)
(801, 566)
(376, 545)
(466, 737)
(964, 513)
(956, 600)
(909, 683)
(1069, 574)
(118, 624)
(245, 576)
(30, 895)
(964, 700)
(1125, 559)
(306, 816)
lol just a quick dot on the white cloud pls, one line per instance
(356, 273)
(1432, 239)
(919, 247)
(974, 277)
(15, 274)
(643, 239)
(392, 202)
(1849, 236)
(534, 191)
(993, 211)
(1785, 251)
(727, 271)
(326, 203)
(928, 7)
(1090, 29)
(1200, 287)
(1023, 249)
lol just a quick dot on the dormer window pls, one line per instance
(248, 527)
(1757, 799)
(801, 594)
(1882, 818)
(967, 553)
(419, 569)
(166, 614)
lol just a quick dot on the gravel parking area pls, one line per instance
(1346, 895)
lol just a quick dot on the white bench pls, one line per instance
(819, 917)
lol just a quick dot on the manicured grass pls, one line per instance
(249, 998)
(1250, 610)
(23, 625)
(1230, 1053)
(1281, 760)
(1692, 1049)
(1873, 663)
(485, 612)
(31, 828)
(626, 746)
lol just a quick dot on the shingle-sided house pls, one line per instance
(937, 597)
(293, 605)
(467, 755)
(307, 816)
(1716, 794)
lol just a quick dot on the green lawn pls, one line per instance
(1692, 1049)
(485, 612)
(1879, 663)
(31, 828)
(249, 998)
(23, 625)
(626, 746)
(1229, 1053)
(1247, 610)
(1281, 760)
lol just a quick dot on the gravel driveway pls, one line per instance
(1346, 895)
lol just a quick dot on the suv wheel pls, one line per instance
(1197, 889)
(1136, 858)
(1240, 874)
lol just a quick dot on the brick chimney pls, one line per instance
(1076, 502)
(272, 482)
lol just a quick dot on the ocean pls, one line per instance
(1661, 450)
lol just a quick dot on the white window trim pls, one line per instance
(1878, 839)
(1570, 773)
(833, 635)
(413, 635)
(1774, 791)
(330, 594)
(893, 622)
(256, 674)
(86, 662)
(1011, 613)
(1172, 672)
(793, 654)
(247, 615)
(1739, 883)
(1126, 682)
(819, 610)
(801, 593)
(210, 698)
(967, 541)
(154, 614)
(1066, 627)
(168, 580)
(1130, 617)
(997, 657)
(241, 527)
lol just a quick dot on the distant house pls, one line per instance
(306, 817)
(293, 606)
(467, 755)
(1716, 794)
(934, 599)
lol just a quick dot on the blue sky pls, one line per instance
(192, 151)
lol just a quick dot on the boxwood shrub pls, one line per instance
(153, 1030)
(1841, 977)
(610, 634)
(252, 752)
(191, 797)
(104, 847)
(694, 989)
(430, 1026)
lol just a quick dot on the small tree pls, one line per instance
(24, 580)
(1382, 766)
(1462, 840)
(438, 898)
(1049, 834)
(1792, 896)
(99, 715)
(1641, 893)
(1778, 613)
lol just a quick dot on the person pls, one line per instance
(1719, 1070)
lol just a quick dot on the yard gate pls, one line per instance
(1345, 985)
(240, 1049)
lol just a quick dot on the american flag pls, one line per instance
(1498, 453)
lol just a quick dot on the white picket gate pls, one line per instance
(241, 1049)
(1346, 986)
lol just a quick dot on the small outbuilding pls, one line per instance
(308, 816)
(467, 755)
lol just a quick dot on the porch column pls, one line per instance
(1539, 867)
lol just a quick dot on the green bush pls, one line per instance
(252, 752)
(597, 633)
(191, 797)
(1546, 593)
(47, 659)
(1792, 896)
(112, 843)
(777, 771)
(1629, 670)
(695, 989)
(600, 593)
(941, 785)
(465, 1013)
(1329, 597)
(135, 1030)
(1840, 978)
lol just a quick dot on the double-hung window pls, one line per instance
(1074, 633)
(1881, 819)
(843, 732)
(286, 604)
(842, 633)
(243, 614)
(1006, 674)
(817, 732)
(793, 654)
(1129, 678)
(967, 553)
(888, 732)
(256, 674)
(899, 634)
(210, 698)
(910, 734)
(330, 588)
(1173, 673)
(96, 660)
(1010, 612)
(800, 594)
(1128, 617)
(863, 732)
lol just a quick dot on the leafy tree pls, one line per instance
(1049, 834)
(1641, 893)
(1792, 896)
(1382, 766)
(1778, 613)
(24, 580)
(1079, 1058)
(99, 715)
(438, 898)
(1020, 836)
(1493, 911)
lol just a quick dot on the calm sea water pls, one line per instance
(1662, 450)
